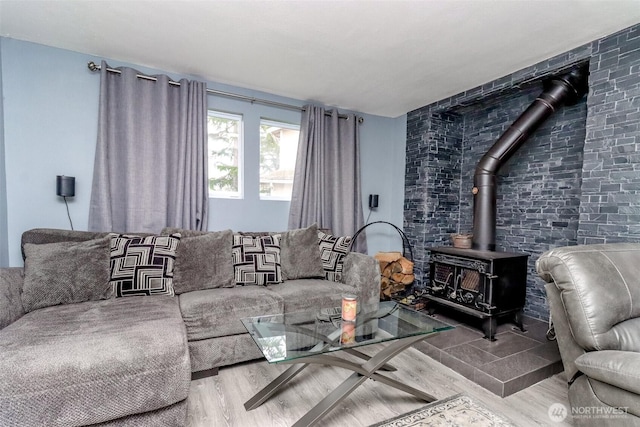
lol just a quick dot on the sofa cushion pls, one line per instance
(217, 312)
(65, 273)
(256, 260)
(333, 249)
(39, 236)
(86, 363)
(307, 294)
(204, 262)
(143, 265)
(299, 254)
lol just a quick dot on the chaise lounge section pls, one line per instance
(92, 362)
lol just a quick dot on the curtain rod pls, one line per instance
(95, 67)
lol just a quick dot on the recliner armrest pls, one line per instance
(614, 367)
(599, 291)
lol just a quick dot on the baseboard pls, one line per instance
(204, 374)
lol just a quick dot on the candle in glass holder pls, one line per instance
(349, 308)
(348, 333)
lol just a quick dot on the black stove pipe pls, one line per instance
(558, 91)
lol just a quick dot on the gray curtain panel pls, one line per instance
(326, 185)
(151, 156)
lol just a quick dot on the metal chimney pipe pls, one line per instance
(558, 91)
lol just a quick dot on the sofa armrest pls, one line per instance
(10, 295)
(614, 367)
(363, 272)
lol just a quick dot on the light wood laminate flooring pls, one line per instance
(219, 400)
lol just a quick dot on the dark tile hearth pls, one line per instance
(514, 361)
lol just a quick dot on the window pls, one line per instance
(225, 154)
(278, 150)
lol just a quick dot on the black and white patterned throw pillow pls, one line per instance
(333, 249)
(143, 265)
(256, 260)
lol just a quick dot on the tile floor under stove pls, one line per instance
(514, 361)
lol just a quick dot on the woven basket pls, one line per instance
(461, 241)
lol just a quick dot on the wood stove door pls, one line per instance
(474, 289)
(462, 282)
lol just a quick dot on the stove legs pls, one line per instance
(489, 327)
(517, 319)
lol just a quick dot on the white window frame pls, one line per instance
(284, 125)
(231, 194)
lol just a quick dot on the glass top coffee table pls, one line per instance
(321, 336)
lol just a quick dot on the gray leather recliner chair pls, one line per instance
(594, 296)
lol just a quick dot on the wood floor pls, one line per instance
(219, 401)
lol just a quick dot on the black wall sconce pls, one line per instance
(373, 201)
(66, 187)
(373, 205)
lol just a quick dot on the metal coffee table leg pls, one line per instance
(274, 386)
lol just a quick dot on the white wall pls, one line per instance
(50, 125)
(4, 244)
(382, 159)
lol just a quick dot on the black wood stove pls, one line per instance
(481, 281)
(484, 284)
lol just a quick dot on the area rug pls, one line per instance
(458, 411)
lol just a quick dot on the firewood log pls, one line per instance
(408, 279)
(407, 266)
(396, 272)
(397, 277)
(396, 267)
(388, 271)
(388, 256)
(383, 265)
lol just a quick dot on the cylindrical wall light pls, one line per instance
(65, 186)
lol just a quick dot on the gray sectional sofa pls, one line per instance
(73, 355)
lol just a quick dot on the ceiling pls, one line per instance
(382, 57)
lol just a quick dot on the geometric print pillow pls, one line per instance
(143, 265)
(332, 252)
(256, 260)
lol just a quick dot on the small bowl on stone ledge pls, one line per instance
(461, 241)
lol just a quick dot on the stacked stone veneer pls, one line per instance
(576, 180)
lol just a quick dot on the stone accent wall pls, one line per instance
(432, 182)
(610, 204)
(576, 179)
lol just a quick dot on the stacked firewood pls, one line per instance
(396, 273)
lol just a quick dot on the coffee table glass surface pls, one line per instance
(288, 336)
(311, 338)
